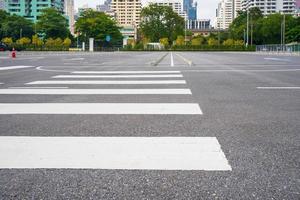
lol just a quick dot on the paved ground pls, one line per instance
(246, 106)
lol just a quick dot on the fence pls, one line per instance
(292, 49)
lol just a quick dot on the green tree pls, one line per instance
(293, 35)
(93, 24)
(239, 24)
(3, 18)
(53, 24)
(161, 22)
(15, 26)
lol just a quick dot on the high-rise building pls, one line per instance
(104, 7)
(128, 12)
(190, 8)
(176, 6)
(271, 6)
(2, 4)
(31, 9)
(69, 12)
(298, 8)
(226, 12)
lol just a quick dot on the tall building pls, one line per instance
(271, 6)
(298, 8)
(176, 6)
(104, 7)
(226, 12)
(31, 9)
(2, 4)
(69, 12)
(190, 8)
(127, 12)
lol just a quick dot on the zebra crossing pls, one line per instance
(143, 153)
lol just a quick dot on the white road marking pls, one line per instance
(14, 67)
(1, 83)
(127, 153)
(38, 87)
(120, 76)
(107, 82)
(189, 62)
(74, 59)
(241, 70)
(50, 70)
(126, 72)
(172, 60)
(93, 91)
(101, 108)
(276, 59)
(279, 88)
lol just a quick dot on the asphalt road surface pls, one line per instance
(149, 125)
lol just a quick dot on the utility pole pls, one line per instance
(21, 30)
(185, 32)
(247, 43)
(251, 41)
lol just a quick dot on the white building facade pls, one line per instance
(69, 12)
(176, 5)
(271, 6)
(226, 12)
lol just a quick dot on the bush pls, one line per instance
(67, 42)
(180, 40)
(164, 42)
(7, 40)
(23, 41)
(197, 41)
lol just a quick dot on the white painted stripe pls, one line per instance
(126, 72)
(129, 153)
(242, 70)
(101, 108)
(279, 88)
(14, 67)
(172, 60)
(120, 76)
(39, 87)
(276, 59)
(1, 83)
(107, 82)
(94, 91)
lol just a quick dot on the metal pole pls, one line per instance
(247, 28)
(21, 33)
(283, 30)
(251, 31)
(184, 31)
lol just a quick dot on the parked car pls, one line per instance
(3, 47)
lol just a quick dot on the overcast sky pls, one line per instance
(206, 8)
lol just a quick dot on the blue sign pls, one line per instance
(107, 38)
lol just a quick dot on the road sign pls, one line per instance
(107, 38)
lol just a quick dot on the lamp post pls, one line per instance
(247, 43)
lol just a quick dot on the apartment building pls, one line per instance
(31, 9)
(176, 5)
(226, 12)
(2, 4)
(69, 12)
(271, 6)
(128, 12)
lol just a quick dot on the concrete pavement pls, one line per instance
(246, 127)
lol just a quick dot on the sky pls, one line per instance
(206, 8)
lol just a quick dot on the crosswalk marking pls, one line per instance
(101, 108)
(126, 72)
(14, 67)
(153, 82)
(131, 153)
(94, 91)
(120, 76)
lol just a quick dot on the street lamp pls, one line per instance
(247, 43)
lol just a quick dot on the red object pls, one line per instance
(13, 54)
